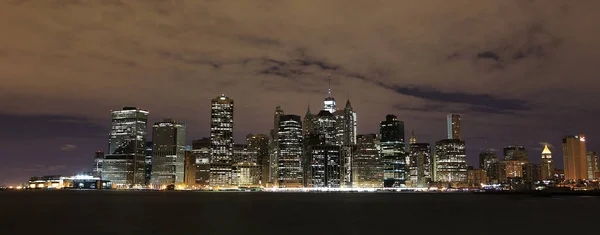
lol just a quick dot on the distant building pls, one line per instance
(289, 168)
(241, 153)
(476, 177)
(420, 164)
(247, 174)
(575, 157)
(392, 152)
(592, 164)
(221, 139)
(366, 166)
(547, 164)
(168, 153)
(259, 145)
(201, 152)
(450, 162)
(515, 153)
(453, 121)
(148, 161)
(189, 178)
(60, 182)
(98, 159)
(347, 155)
(329, 103)
(124, 164)
(486, 159)
(274, 148)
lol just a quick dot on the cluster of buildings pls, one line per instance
(319, 150)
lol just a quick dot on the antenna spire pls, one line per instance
(329, 88)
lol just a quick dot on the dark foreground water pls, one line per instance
(129, 212)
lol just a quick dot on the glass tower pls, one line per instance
(168, 153)
(221, 141)
(289, 167)
(450, 161)
(124, 164)
(393, 154)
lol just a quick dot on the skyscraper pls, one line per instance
(289, 166)
(575, 159)
(201, 152)
(420, 164)
(189, 169)
(350, 125)
(148, 167)
(454, 126)
(326, 127)
(450, 161)
(366, 166)
(274, 147)
(393, 154)
(325, 166)
(259, 144)
(515, 153)
(592, 163)
(124, 165)
(329, 103)
(547, 166)
(221, 141)
(168, 153)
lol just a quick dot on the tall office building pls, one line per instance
(325, 126)
(98, 158)
(289, 168)
(259, 144)
(547, 166)
(454, 131)
(325, 166)
(350, 125)
(241, 153)
(450, 161)
(592, 164)
(366, 166)
(393, 154)
(201, 152)
(168, 153)
(124, 164)
(487, 159)
(221, 141)
(575, 159)
(274, 148)
(420, 164)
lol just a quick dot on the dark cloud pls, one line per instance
(68, 147)
(32, 127)
(488, 55)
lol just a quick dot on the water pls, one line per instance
(131, 212)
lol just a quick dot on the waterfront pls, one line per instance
(180, 212)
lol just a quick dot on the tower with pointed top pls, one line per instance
(349, 125)
(547, 164)
(329, 102)
(413, 138)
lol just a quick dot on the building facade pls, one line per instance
(450, 161)
(124, 164)
(201, 152)
(420, 164)
(366, 165)
(259, 145)
(168, 153)
(392, 152)
(189, 166)
(592, 164)
(325, 166)
(289, 168)
(221, 141)
(575, 157)
(454, 130)
(98, 159)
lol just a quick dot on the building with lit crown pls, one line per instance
(221, 141)
(547, 164)
(168, 153)
(124, 163)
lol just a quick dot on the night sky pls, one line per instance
(519, 71)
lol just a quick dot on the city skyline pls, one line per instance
(529, 83)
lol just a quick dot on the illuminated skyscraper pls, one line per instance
(329, 102)
(575, 159)
(592, 163)
(124, 165)
(325, 126)
(289, 168)
(325, 166)
(454, 126)
(487, 159)
(189, 169)
(393, 154)
(450, 161)
(366, 165)
(547, 166)
(168, 153)
(148, 167)
(221, 141)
